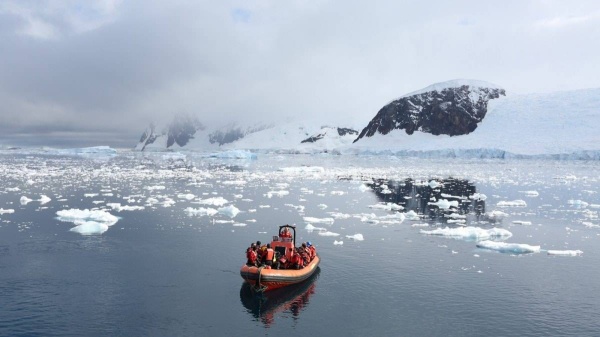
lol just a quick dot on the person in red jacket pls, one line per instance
(312, 251)
(296, 261)
(268, 255)
(251, 255)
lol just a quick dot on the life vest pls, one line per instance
(269, 255)
(251, 255)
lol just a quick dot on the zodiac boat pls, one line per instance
(265, 278)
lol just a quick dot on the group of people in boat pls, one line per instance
(264, 255)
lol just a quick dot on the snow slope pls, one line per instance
(530, 125)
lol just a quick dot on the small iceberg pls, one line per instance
(230, 211)
(565, 252)
(356, 237)
(88, 222)
(469, 233)
(503, 247)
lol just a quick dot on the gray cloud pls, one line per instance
(73, 73)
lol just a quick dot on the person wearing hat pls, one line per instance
(312, 252)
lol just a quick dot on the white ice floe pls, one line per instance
(187, 196)
(201, 211)
(469, 233)
(280, 193)
(12, 189)
(387, 206)
(118, 207)
(216, 201)
(363, 188)
(590, 225)
(6, 211)
(87, 221)
(478, 197)
(328, 233)
(531, 193)
(239, 224)
(338, 215)
(356, 237)
(155, 187)
(90, 195)
(230, 211)
(412, 216)
(318, 220)
(420, 225)
(434, 184)
(514, 203)
(24, 200)
(565, 252)
(233, 154)
(303, 169)
(515, 248)
(578, 203)
(44, 199)
(444, 204)
(496, 215)
(311, 228)
(322, 206)
(455, 216)
(524, 223)
(337, 192)
(338, 243)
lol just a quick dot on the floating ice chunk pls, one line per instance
(234, 182)
(90, 195)
(311, 228)
(337, 192)
(300, 208)
(24, 200)
(524, 223)
(216, 201)
(514, 203)
(201, 211)
(478, 197)
(456, 216)
(434, 184)
(318, 220)
(389, 206)
(168, 202)
(90, 228)
(503, 247)
(118, 207)
(337, 215)
(458, 221)
(412, 216)
(303, 169)
(328, 233)
(154, 188)
(322, 206)
(531, 193)
(363, 188)
(239, 224)
(355, 237)
(565, 252)
(469, 233)
(578, 203)
(6, 211)
(444, 204)
(496, 215)
(82, 215)
(280, 193)
(590, 225)
(233, 154)
(230, 211)
(12, 189)
(187, 196)
(420, 225)
(338, 243)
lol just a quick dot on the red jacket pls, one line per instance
(251, 256)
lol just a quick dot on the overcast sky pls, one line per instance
(82, 73)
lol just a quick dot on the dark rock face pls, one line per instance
(180, 131)
(340, 131)
(232, 133)
(451, 111)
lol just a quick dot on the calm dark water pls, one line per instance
(159, 271)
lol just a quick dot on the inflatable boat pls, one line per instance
(265, 278)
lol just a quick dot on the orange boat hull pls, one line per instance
(277, 278)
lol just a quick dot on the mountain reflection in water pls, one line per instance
(265, 306)
(417, 195)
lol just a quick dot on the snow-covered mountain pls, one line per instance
(553, 125)
(451, 119)
(449, 108)
(187, 132)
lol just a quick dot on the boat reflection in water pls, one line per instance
(293, 299)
